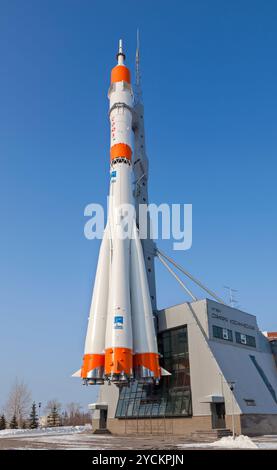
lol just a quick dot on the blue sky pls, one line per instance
(209, 82)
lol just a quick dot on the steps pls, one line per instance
(211, 435)
(102, 431)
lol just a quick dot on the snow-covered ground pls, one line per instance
(9, 433)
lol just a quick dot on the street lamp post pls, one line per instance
(39, 407)
(232, 386)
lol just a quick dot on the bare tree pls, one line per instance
(19, 402)
(75, 415)
(51, 405)
(73, 411)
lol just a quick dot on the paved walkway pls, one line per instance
(91, 442)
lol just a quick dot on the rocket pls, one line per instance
(121, 343)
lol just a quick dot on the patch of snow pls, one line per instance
(8, 433)
(240, 442)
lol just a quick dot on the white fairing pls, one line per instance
(121, 102)
(142, 316)
(120, 92)
(95, 339)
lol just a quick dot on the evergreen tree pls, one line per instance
(13, 423)
(3, 423)
(54, 419)
(33, 420)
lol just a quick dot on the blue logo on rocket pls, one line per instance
(113, 176)
(118, 323)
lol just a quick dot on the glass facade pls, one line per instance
(172, 396)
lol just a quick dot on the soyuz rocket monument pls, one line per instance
(121, 343)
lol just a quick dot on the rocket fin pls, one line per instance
(165, 372)
(77, 373)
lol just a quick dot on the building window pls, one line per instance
(172, 396)
(242, 339)
(273, 345)
(246, 339)
(222, 333)
(250, 402)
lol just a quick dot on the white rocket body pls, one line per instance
(121, 342)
